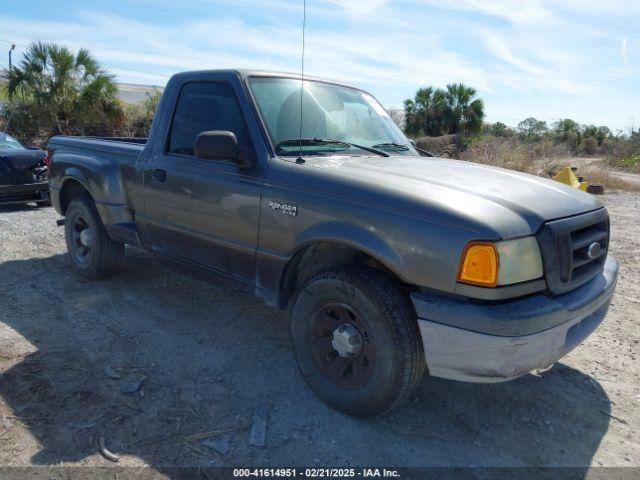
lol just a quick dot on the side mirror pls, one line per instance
(222, 145)
(216, 145)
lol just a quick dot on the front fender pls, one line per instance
(274, 269)
(355, 236)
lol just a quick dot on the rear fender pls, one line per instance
(99, 178)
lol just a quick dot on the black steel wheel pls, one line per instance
(356, 340)
(83, 238)
(342, 342)
(92, 253)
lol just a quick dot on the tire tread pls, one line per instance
(384, 291)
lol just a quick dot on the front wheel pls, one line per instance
(356, 340)
(92, 253)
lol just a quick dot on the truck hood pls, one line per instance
(508, 202)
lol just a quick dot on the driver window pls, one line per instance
(204, 106)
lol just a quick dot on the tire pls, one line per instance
(92, 254)
(377, 364)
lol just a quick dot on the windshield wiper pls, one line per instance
(402, 147)
(324, 141)
(396, 146)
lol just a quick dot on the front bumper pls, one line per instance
(30, 192)
(481, 342)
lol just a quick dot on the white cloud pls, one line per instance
(526, 73)
(624, 51)
(520, 12)
(360, 7)
(154, 50)
(599, 9)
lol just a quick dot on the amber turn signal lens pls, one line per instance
(479, 265)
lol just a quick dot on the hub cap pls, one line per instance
(82, 239)
(342, 343)
(347, 340)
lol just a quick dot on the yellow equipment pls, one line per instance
(567, 177)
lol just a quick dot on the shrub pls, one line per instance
(590, 145)
(443, 146)
(625, 153)
(500, 152)
(546, 149)
(632, 162)
(138, 117)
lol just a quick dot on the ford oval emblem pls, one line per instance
(593, 250)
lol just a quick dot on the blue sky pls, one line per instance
(549, 59)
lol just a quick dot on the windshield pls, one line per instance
(329, 112)
(9, 142)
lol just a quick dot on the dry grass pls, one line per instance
(630, 163)
(609, 179)
(500, 152)
(541, 158)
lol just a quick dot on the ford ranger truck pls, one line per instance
(391, 264)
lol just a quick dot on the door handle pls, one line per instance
(158, 176)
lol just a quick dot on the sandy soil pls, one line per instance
(72, 353)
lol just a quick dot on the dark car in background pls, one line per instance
(24, 175)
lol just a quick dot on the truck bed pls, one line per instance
(121, 146)
(107, 167)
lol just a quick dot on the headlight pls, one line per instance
(490, 264)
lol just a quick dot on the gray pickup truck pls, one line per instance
(391, 263)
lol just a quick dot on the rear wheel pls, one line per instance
(92, 253)
(356, 340)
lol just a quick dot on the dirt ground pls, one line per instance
(169, 371)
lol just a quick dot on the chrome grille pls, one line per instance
(565, 248)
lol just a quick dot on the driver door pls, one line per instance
(204, 211)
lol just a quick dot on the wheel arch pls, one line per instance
(323, 253)
(72, 185)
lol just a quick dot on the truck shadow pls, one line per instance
(156, 363)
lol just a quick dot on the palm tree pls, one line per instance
(435, 112)
(64, 89)
(466, 112)
(415, 111)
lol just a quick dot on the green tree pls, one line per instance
(568, 131)
(563, 129)
(425, 114)
(435, 112)
(65, 91)
(499, 129)
(531, 129)
(466, 111)
(600, 134)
